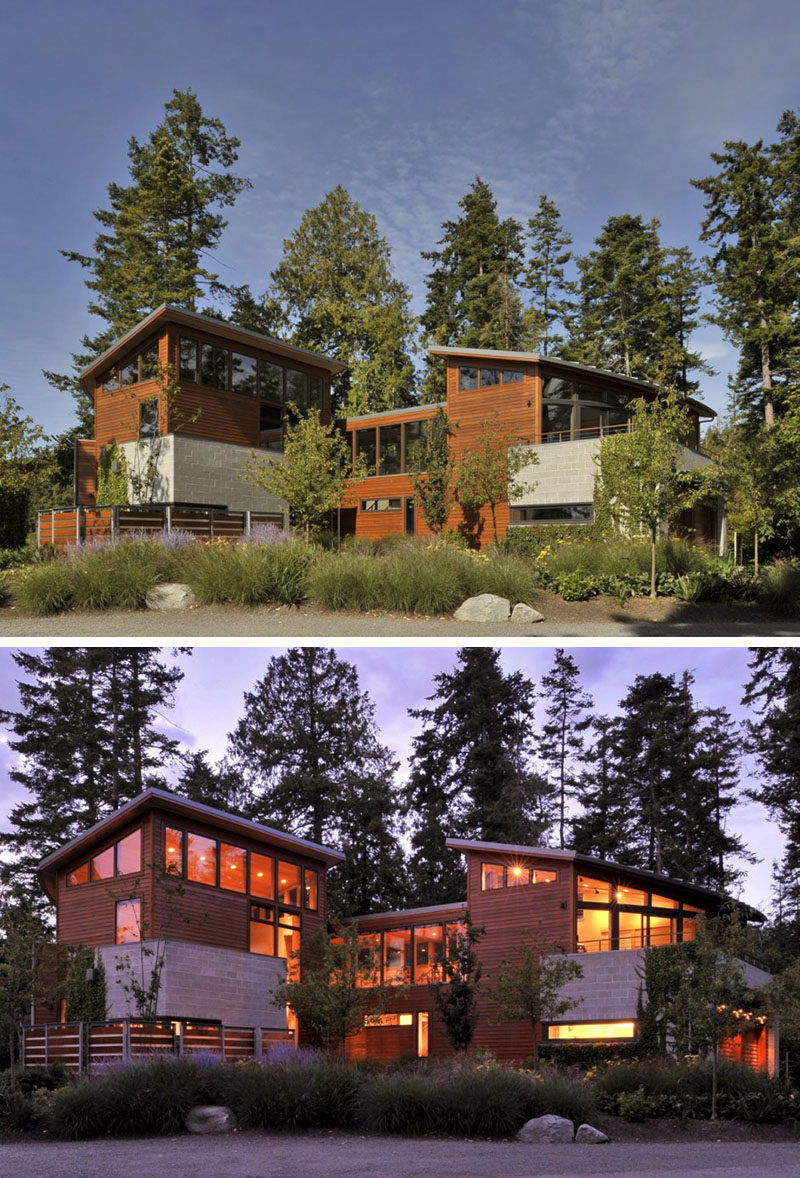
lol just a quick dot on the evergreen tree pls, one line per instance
(87, 742)
(604, 825)
(158, 231)
(681, 282)
(545, 278)
(708, 844)
(308, 751)
(219, 786)
(561, 740)
(471, 774)
(333, 291)
(472, 298)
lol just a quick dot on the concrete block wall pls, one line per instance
(199, 981)
(564, 473)
(608, 989)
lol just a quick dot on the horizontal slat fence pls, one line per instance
(75, 525)
(78, 1046)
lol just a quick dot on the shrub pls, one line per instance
(347, 581)
(308, 1092)
(779, 588)
(117, 575)
(576, 586)
(247, 574)
(507, 576)
(45, 588)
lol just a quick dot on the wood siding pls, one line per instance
(86, 459)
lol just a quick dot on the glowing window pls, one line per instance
(129, 853)
(232, 865)
(262, 930)
(388, 1020)
(492, 876)
(538, 876)
(625, 895)
(289, 884)
(129, 921)
(80, 875)
(632, 927)
(369, 959)
(594, 930)
(663, 930)
(201, 859)
(103, 864)
(310, 889)
(689, 927)
(593, 891)
(662, 902)
(428, 943)
(516, 875)
(173, 851)
(601, 1031)
(397, 956)
(262, 876)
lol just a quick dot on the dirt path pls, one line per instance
(597, 618)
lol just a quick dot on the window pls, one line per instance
(512, 375)
(173, 851)
(288, 943)
(271, 380)
(262, 930)
(148, 418)
(297, 388)
(129, 853)
(315, 392)
(232, 863)
(380, 504)
(187, 351)
(148, 362)
(369, 959)
(129, 373)
(243, 374)
(594, 929)
(103, 864)
(129, 921)
(270, 417)
(492, 876)
(467, 379)
(602, 1031)
(517, 875)
(389, 449)
(663, 930)
(489, 376)
(262, 876)
(427, 953)
(662, 902)
(365, 448)
(201, 859)
(414, 454)
(624, 895)
(595, 891)
(213, 366)
(111, 381)
(397, 956)
(632, 930)
(562, 513)
(310, 889)
(388, 1020)
(80, 875)
(289, 884)
(513, 875)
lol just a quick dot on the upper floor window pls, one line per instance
(389, 455)
(470, 377)
(573, 410)
(148, 419)
(214, 366)
(513, 875)
(244, 373)
(123, 857)
(129, 921)
(135, 369)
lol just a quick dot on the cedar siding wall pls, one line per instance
(86, 459)
(116, 414)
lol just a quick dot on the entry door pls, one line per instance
(422, 1033)
(410, 516)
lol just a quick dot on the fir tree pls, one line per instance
(545, 278)
(87, 742)
(219, 786)
(334, 291)
(604, 825)
(158, 230)
(561, 740)
(709, 845)
(308, 750)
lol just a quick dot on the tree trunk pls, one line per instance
(494, 521)
(755, 554)
(714, 1083)
(653, 561)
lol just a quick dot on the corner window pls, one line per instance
(80, 875)
(316, 392)
(188, 360)
(173, 851)
(129, 921)
(492, 876)
(310, 889)
(467, 379)
(201, 859)
(148, 419)
(213, 366)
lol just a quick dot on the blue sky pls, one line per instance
(209, 704)
(608, 106)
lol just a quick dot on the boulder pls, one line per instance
(525, 615)
(486, 607)
(547, 1130)
(210, 1118)
(172, 595)
(588, 1135)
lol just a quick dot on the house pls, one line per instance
(183, 399)
(225, 902)
(557, 411)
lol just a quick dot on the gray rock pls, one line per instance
(486, 607)
(588, 1135)
(525, 615)
(173, 595)
(210, 1118)
(549, 1129)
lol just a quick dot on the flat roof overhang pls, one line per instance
(160, 799)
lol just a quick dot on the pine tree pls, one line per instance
(545, 278)
(604, 825)
(308, 750)
(158, 231)
(472, 299)
(86, 739)
(561, 740)
(334, 291)
(709, 845)
(471, 768)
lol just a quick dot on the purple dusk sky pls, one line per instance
(209, 703)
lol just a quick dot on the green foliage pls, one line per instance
(576, 586)
(779, 587)
(13, 517)
(86, 1000)
(434, 475)
(45, 588)
(247, 574)
(545, 278)
(456, 996)
(320, 1093)
(117, 576)
(486, 473)
(112, 476)
(314, 473)
(529, 986)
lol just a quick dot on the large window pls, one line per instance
(289, 884)
(470, 377)
(129, 854)
(129, 921)
(572, 410)
(148, 419)
(232, 868)
(220, 864)
(365, 448)
(187, 360)
(623, 916)
(397, 956)
(135, 369)
(515, 874)
(389, 450)
(262, 876)
(561, 513)
(244, 374)
(201, 859)
(428, 944)
(601, 1031)
(123, 857)
(214, 366)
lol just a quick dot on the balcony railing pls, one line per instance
(640, 940)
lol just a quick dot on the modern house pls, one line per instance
(183, 399)
(225, 902)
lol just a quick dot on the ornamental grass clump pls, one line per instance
(248, 574)
(118, 575)
(321, 1092)
(45, 588)
(348, 580)
(513, 577)
(779, 587)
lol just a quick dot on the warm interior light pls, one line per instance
(516, 871)
(172, 850)
(620, 894)
(259, 874)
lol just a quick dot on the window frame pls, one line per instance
(148, 403)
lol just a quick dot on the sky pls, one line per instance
(209, 703)
(608, 106)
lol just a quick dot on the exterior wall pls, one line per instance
(200, 471)
(608, 989)
(199, 981)
(86, 458)
(562, 473)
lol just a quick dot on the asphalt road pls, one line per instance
(288, 623)
(336, 1155)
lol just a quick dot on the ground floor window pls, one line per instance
(388, 1020)
(554, 513)
(380, 504)
(129, 921)
(597, 1031)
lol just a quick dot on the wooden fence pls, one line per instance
(78, 1046)
(76, 525)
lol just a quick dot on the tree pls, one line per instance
(561, 742)
(456, 996)
(709, 846)
(336, 984)
(604, 825)
(308, 751)
(433, 474)
(334, 291)
(85, 987)
(30, 474)
(472, 300)
(23, 940)
(486, 472)
(86, 740)
(640, 482)
(529, 986)
(315, 471)
(158, 230)
(220, 786)
(740, 474)
(545, 277)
